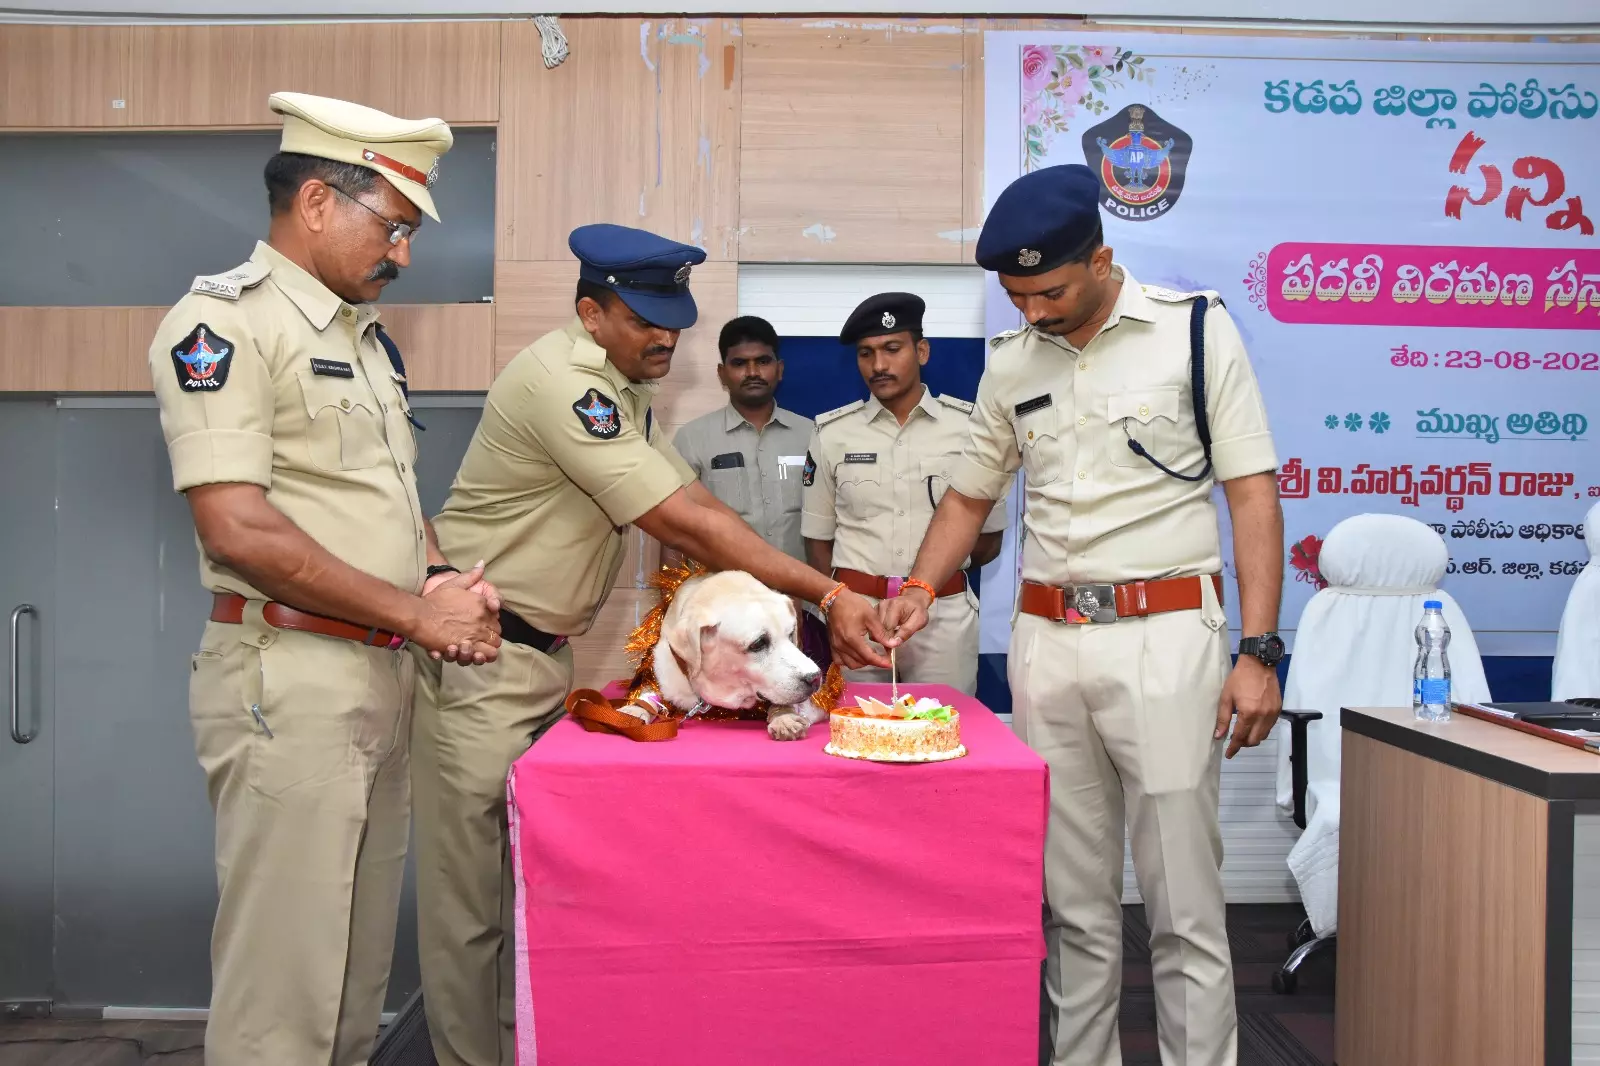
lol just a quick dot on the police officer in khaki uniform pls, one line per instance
(750, 453)
(568, 454)
(1119, 659)
(875, 472)
(285, 415)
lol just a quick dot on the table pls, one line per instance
(1469, 895)
(724, 898)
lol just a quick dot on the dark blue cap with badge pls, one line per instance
(883, 314)
(1040, 221)
(649, 273)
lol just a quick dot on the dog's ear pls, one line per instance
(688, 637)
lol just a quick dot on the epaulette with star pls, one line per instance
(1161, 294)
(1000, 338)
(230, 285)
(838, 412)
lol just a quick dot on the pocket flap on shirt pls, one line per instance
(857, 471)
(1142, 405)
(343, 393)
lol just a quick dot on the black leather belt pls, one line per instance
(514, 629)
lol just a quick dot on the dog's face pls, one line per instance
(736, 640)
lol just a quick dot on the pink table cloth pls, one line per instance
(723, 898)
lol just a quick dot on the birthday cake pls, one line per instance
(905, 730)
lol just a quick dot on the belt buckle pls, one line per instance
(1086, 604)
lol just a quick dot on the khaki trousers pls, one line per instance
(471, 724)
(1123, 714)
(945, 652)
(311, 813)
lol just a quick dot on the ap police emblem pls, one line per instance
(1141, 160)
(202, 360)
(598, 414)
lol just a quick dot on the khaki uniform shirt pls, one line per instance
(876, 483)
(756, 472)
(265, 377)
(1097, 512)
(566, 456)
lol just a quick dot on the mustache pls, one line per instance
(386, 270)
(747, 382)
(1049, 323)
(882, 378)
(659, 349)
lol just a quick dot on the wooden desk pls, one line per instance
(1460, 844)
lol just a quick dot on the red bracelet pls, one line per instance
(827, 601)
(918, 583)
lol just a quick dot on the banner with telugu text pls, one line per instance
(1405, 233)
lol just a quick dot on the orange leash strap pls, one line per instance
(599, 715)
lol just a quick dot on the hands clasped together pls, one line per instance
(460, 620)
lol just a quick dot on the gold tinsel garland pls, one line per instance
(647, 634)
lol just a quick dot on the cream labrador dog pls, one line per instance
(729, 641)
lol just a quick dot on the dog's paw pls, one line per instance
(787, 726)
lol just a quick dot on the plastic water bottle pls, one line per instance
(1430, 680)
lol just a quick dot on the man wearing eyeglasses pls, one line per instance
(874, 474)
(284, 408)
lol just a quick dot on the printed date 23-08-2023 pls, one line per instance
(1472, 359)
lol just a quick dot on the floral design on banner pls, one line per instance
(1255, 282)
(1058, 80)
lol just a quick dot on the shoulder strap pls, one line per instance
(1197, 371)
(1197, 385)
(399, 366)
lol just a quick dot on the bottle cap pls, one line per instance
(1432, 605)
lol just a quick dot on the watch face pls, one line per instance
(1272, 649)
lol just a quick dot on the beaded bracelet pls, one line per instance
(918, 583)
(827, 601)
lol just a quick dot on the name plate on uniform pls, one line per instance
(727, 461)
(861, 457)
(332, 368)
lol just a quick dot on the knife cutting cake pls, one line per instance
(906, 729)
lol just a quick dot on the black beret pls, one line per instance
(883, 314)
(1040, 221)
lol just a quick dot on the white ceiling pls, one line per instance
(1536, 15)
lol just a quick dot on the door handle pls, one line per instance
(16, 672)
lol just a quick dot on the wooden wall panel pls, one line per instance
(63, 76)
(447, 347)
(597, 656)
(106, 349)
(531, 299)
(221, 75)
(851, 142)
(72, 349)
(639, 126)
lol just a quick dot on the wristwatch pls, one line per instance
(1268, 647)
(441, 568)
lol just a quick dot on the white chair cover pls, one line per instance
(1577, 665)
(1355, 646)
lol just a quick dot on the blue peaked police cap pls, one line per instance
(648, 272)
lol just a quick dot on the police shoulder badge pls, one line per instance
(202, 360)
(598, 414)
(809, 471)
